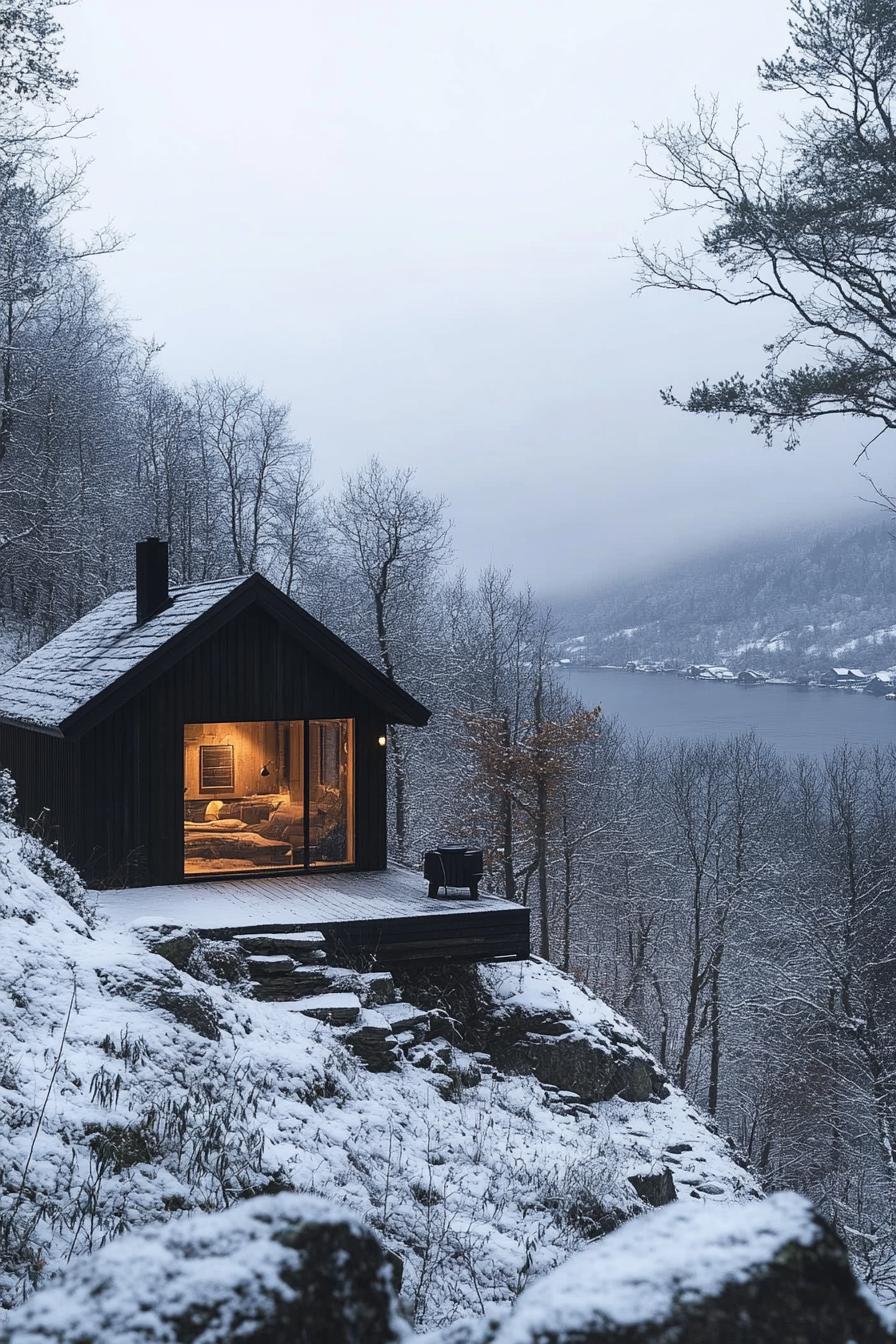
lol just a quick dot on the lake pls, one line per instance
(797, 721)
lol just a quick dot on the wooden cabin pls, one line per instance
(211, 730)
(843, 676)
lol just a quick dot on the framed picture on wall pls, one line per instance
(216, 773)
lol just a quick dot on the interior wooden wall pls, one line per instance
(255, 744)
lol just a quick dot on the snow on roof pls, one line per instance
(848, 671)
(48, 686)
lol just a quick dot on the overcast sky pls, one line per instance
(403, 217)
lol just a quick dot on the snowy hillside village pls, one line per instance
(575, 653)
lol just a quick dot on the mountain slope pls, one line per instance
(133, 1093)
(787, 605)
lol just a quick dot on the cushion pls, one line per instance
(223, 824)
(286, 818)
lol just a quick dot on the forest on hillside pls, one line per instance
(790, 606)
(737, 909)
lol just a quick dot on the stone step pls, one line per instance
(297, 984)
(261, 967)
(337, 1009)
(424, 1057)
(373, 988)
(371, 1039)
(305, 947)
(404, 1017)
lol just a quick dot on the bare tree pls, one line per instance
(805, 230)
(296, 530)
(393, 538)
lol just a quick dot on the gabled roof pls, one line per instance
(79, 677)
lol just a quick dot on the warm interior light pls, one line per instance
(381, 740)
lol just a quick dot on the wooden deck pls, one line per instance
(387, 915)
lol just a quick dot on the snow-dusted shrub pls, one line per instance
(44, 862)
(8, 798)
(587, 1195)
(207, 1134)
(41, 858)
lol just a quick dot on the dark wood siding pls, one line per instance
(46, 773)
(132, 762)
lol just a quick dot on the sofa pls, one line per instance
(233, 839)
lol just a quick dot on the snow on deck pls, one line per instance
(287, 902)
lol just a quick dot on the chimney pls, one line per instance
(152, 579)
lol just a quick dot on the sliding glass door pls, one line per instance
(268, 795)
(330, 792)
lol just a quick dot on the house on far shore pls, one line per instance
(843, 676)
(750, 678)
(709, 672)
(882, 683)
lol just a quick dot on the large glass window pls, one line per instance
(245, 792)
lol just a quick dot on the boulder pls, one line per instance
(276, 1269)
(533, 1019)
(191, 1008)
(158, 986)
(766, 1272)
(655, 1187)
(175, 945)
(574, 1059)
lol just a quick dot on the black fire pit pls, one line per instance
(453, 866)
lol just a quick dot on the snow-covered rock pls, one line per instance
(296, 1269)
(771, 1272)
(546, 1024)
(535, 1020)
(277, 1268)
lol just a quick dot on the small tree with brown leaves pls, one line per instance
(534, 772)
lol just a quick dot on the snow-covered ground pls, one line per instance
(115, 1113)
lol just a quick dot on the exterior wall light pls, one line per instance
(381, 740)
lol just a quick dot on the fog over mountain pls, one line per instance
(406, 220)
(789, 604)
